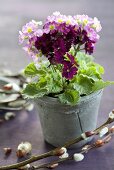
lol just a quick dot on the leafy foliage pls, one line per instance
(70, 97)
(50, 81)
(98, 85)
(32, 90)
(32, 71)
(83, 85)
(84, 57)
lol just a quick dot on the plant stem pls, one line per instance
(76, 49)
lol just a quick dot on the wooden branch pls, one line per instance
(53, 152)
(98, 143)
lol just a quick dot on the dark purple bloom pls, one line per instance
(59, 58)
(45, 44)
(70, 67)
(58, 34)
(71, 58)
(69, 70)
(89, 47)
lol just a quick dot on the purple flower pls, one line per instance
(91, 34)
(70, 67)
(39, 33)
(69, 70)
(58, 35)
(89, 47)
(70, 58)
(28, 30)
(44, 43)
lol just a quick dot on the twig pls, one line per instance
(28, 161)
(49, 165)
(97, 144)
(71, 142)
(55, 151)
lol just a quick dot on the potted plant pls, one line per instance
(66, 83)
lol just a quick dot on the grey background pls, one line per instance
(13, 15)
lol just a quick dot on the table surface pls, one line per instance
(26, 125)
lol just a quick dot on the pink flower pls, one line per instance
(57, 36)
(28, 30)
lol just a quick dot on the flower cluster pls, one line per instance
(58, 35)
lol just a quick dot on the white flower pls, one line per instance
(65, 155)
(83, 135)
(111, 115)
(56, 13)
(37, 22)
(29, 107)
(64, 149)
(78, 157)
(97, 24)
(103, 131)
(25, 146)
(9, 115)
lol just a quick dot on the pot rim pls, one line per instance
(55, 101)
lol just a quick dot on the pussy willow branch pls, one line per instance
(52, 152)
(48, 165)
(71, 142)
(94, 145)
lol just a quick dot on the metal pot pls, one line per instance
(61, 122)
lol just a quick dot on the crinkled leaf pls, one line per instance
(83, 85)
(32, 91)
(100, 85)
(84, 57)
(98, 67)
(31, 70)
(42, 83)
(57, 83)
(50, 80)
(49, 83)
(88, 67)
(90, 72)
(70, 97)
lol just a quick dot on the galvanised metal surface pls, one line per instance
(61, 122)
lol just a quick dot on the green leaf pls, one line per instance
(98, 67)
(57, 83)
(42, 82)
(81, 56)
(88, 67)
(31, 70)
(32, 91)
(83, 85)
(70, 97)
(100, 85)
(91, 73)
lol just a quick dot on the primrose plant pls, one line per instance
(61, 51)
